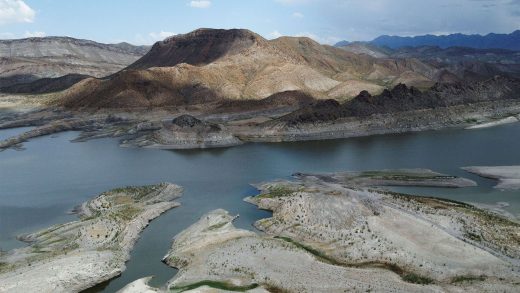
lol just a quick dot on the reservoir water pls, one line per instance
(51, 176)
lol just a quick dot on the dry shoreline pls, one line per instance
(155, 130)
(508, 176)
(335, 232)
(77, 255)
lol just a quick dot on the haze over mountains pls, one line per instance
(490, 41)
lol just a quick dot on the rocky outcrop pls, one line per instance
(185, 132)
(51, 128)
(75, 256)
(403, 98)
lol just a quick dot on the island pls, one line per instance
(333, 232)
(75, 256)
(508, 176)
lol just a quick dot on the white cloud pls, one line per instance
(298, 15)
(161, 35)
(200, 4)
(28, 34)
(12, 11)
(329, 40)
(275, 34)
(308, 35)
(150, 38)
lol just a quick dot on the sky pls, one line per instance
(144, 22)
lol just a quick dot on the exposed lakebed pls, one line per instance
(39, 185)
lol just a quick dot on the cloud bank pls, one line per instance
(15, 11)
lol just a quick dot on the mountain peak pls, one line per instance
(201, 46)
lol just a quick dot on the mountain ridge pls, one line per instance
(211, 65)
(489, 41)
(27, 60)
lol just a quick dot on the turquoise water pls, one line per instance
(39, 185)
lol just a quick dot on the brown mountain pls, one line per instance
(216, 65)
(200, 47)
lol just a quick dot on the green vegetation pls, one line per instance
(460, 279)
(423, 199)
(277, 191)
(473, 236)
(388, 266)
(416, 279)
(403, 175)
(127, 213)
(215, 284)
(406, 276)
(216, 226)
(320, 255)
(137, 192)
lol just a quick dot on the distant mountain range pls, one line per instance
(490, 41)
(214, 65)
(27, 60)
(211, 65)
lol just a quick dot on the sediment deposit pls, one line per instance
(508, 176)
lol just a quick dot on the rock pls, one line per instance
(186, 121)
(186, 132)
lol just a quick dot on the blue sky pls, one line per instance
(327, 21)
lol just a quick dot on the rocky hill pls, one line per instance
(214, 65)
(199, 47)
(403, 98)
(27, 60)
